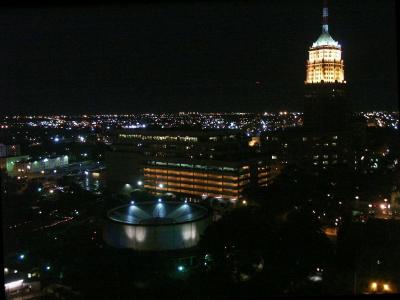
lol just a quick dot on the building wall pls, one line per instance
(7, 163)
(9, 150)
(192, 163)
(123, 170)
(154, 238)
(36, 166)
(207, 178)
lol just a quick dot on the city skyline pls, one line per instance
(159, 149)
(230, 56)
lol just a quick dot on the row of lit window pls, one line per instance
(183, 179)
(181, 165)
(194, 186)
(191, 174)
(198, 191)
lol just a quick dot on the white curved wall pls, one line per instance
(154, 237)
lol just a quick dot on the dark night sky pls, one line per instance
(200, 56)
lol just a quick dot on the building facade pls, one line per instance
(212, 163)
(328, 137)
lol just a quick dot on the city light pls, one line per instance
(374, 286)
(22, 256)
(13, 284)
(139, 183)
(181, 268)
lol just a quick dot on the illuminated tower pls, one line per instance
(325, 64)
(326, 107)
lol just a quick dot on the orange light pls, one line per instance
(374, 286)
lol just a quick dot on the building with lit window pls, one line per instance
(199, 164)
(31, 166)
(328, 136)
(326, 107)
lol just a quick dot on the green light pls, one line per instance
(181, 268)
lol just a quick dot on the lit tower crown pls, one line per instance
(325, 62)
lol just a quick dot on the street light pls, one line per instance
(386, 287)
(374, 286)
(181, 268)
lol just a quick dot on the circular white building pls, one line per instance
(156, 226)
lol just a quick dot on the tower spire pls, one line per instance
(325, 17)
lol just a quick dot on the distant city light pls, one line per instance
(374, 286)
(181, 268)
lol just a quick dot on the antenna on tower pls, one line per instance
(325, 17)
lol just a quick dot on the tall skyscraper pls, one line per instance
(326, 107)
(327, 137)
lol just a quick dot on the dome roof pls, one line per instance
(325, 39)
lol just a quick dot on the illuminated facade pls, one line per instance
(325, 64)
(326, 107)
(225, 180)
(198, 164)
(156, 226)
(326, 139)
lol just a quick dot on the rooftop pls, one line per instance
(157, 213)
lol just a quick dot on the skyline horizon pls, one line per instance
(95, 59)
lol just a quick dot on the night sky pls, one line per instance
(199, 56)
